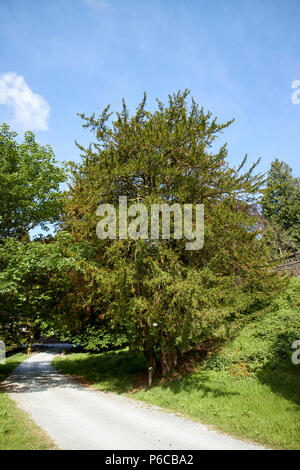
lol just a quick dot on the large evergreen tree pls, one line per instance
(281, 207)
(169, 298)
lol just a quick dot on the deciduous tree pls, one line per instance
(29, 185)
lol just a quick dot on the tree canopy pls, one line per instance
(30, 196)
(29, 185)
(169, 298)
(281, 207)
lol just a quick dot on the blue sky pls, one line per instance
(239, 58)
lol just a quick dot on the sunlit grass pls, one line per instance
(110, 371)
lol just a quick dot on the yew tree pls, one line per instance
(169, 298)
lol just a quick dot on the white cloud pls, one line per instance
(97, 4)
(31, 110)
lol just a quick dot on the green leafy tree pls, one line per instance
(281, 207)
(169, 298)
(29, 185)
(25, 294)
(45, 288)
(30, 196)
(37, 281)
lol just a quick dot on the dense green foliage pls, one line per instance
(281, 207)
(169, 298)
(26, 294)
(96, 336)
(265, 342)
(29, 185)
(30, 196)
(39, 288)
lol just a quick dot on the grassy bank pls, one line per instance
(249, 388)
(17, 430)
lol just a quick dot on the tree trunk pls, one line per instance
(150, 356)
(30, 343)
(168, 361)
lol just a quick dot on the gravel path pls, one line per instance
(76, 417)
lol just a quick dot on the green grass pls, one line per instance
(17, 430)
(268, 413)
(110, 371)
(11, 363)
(264, 344)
